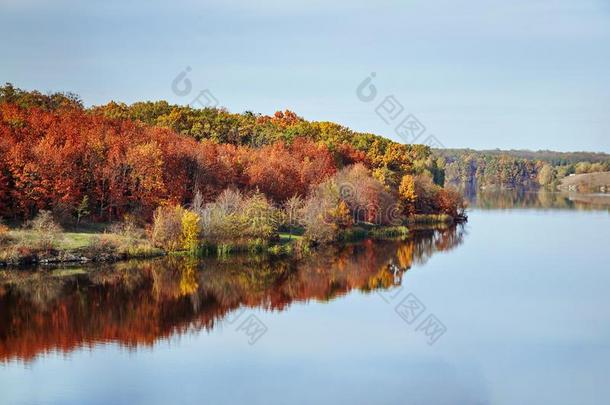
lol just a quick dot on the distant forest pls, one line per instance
(516, 168)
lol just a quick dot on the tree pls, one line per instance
(191, 230)
(292, 210)
(117, 159)
(546, 175)
(599, 167)
(83, 209)
(342, 216)
(407, 194)
(583, 167)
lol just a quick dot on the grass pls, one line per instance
(287, 237)
(92, 242)
(420, 219)
(389, 232)
(64, 241)
(374, 232)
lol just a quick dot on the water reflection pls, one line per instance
(537, 199)
(139, 303)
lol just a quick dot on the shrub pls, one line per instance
(103, 245)
(176, 228)
(583, 167)
(353, 234)
(4, 234)
(46, 229)
(318, 213)
(167, 227)
(221, 219)
(130, 227)
(261, 217)
(233, 218)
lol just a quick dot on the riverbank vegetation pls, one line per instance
(43, 240)
(202, 179)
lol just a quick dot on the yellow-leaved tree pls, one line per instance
(342, 215)
(191, 230)
(407, 193)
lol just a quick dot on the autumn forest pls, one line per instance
(201, 175)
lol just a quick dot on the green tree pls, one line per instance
(83, 209)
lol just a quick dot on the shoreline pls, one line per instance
(283, 245)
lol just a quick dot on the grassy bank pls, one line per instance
(103, 243)
(22, 246)
(432, 219)
(113, 242)
(366, 231)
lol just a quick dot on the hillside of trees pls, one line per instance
(115, 160)
(516, 168)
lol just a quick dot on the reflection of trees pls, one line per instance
(139, 302)
(542, 199)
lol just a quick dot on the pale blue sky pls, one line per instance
(482, 74)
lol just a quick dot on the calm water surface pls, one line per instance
(511, 308)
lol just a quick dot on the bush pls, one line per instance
(4, 234)
(17, 254)
(235, 219)
(130, 227)
(261, 217)
(318, 213)
(46, 229)
(100, 246)
(167, 227)
(176, 228)
(221, 220)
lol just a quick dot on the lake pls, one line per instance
(512, 307)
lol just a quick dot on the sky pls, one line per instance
(483, 74)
